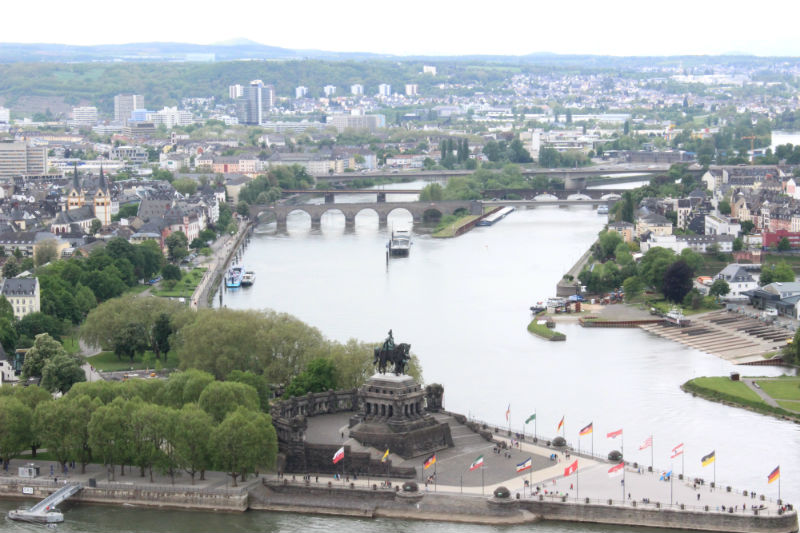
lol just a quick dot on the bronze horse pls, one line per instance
(398, 356)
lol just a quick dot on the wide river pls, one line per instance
(463, 304)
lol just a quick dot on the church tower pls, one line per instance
(76, 197)
(102, 200)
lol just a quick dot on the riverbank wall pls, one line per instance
(394, 502)
(140, 494)
(216, 270)
(569, 284)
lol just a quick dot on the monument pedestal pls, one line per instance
(393, 416)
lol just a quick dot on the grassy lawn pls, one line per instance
(790, 405)
(71, 344)
(137, 289)
(108, 362)
(40, 456)
(185, 287)
(450, 229)
(787, 388)
(725, 386)
(665, 307)
(540, 330)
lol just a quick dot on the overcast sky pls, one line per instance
(430, 27)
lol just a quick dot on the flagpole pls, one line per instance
(623, 481)
(683, 457)
(670, 483)
(592, 441)
(435, 481)
(534, 424)
(651, 451)
(577, 482)
(715, 468)
(481, 480)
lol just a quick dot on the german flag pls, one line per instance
(775, 474)
(707, 459)
(586, 430)
(430, 461)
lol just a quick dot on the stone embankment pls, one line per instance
(346, 499)
(732, 336)
(224, 250)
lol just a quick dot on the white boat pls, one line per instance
(400, 243)
(51, 516)
(248, 278)
(602, 209)
(675, 316)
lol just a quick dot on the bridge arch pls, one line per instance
(579, 196)
(611, 196)
(545, 197)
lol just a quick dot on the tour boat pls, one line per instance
(234, 277)
(248, 278)
(400, 243)
(675, 316)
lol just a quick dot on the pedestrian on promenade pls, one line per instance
(698, 496)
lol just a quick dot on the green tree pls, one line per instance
(44, 348)
(243, 209)
(693, 259)
(192, 440)
(654, 264)
(220, 398)
(185, 186)
(784, 245)
(130, 340)
(632, 287)
(724, 207)
(747, 226)
(109, 435)
(171, 272)
(51, 422)
(720, 287)
(738, 244)
(11, 267)
(433, 192)
(162, 329)
(257, 381)
(319, 376)
(16, 422)
(95, 227)
(185, 387)
(243, 442)
(628, 207)
(61, 372)
(177, 245)
(77, 437)
(46, 251)
(677, 281)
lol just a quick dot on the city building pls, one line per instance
(722, 225)
(357, 89)
(22, 294)
(329, 90)
(84, 116)
(739, 279)
(254, 105)
(20, 159)
(170, 117)
(87, 199)
(125, 104)
(5, 115)
(429, 69)
(300, 92)
(358, 122)
(412, 89)
(384, 89)
(235, 91)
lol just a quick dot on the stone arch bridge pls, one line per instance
(420, 211)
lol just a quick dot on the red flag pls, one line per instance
(616, 470)
(614, 434)
(647, 443)
(339, 455)
(508, 412)
(676, 451)
(571, 469)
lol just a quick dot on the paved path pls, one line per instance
(763, 395)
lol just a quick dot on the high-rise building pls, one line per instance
(255, 103)
(429, 69)
(5, 116)
(19, 159)
(357, 89)
(300, 92)
(170, 117)
(384, 89)
(357, 122)
(235, 91)
(329, 90)
(124, 104)
(412, 89)
(84, 116)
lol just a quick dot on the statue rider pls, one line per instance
(388, 344)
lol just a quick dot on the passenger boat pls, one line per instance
(400, 243)
(233, 278)
(500, 214)
(49, 516)
(602, 209)
(675, 317)
(248, 278)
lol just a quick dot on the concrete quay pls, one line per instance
(731, 336)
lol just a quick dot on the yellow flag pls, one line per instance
(385, 455)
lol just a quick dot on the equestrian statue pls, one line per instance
(389, 353)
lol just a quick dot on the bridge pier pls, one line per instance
(349, 222)
(316, 222)
(383, 220)
(329, 198)
(381, 197)
(281, 225)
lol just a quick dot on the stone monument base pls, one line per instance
(393, 416)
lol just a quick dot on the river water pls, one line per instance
(463, 304)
